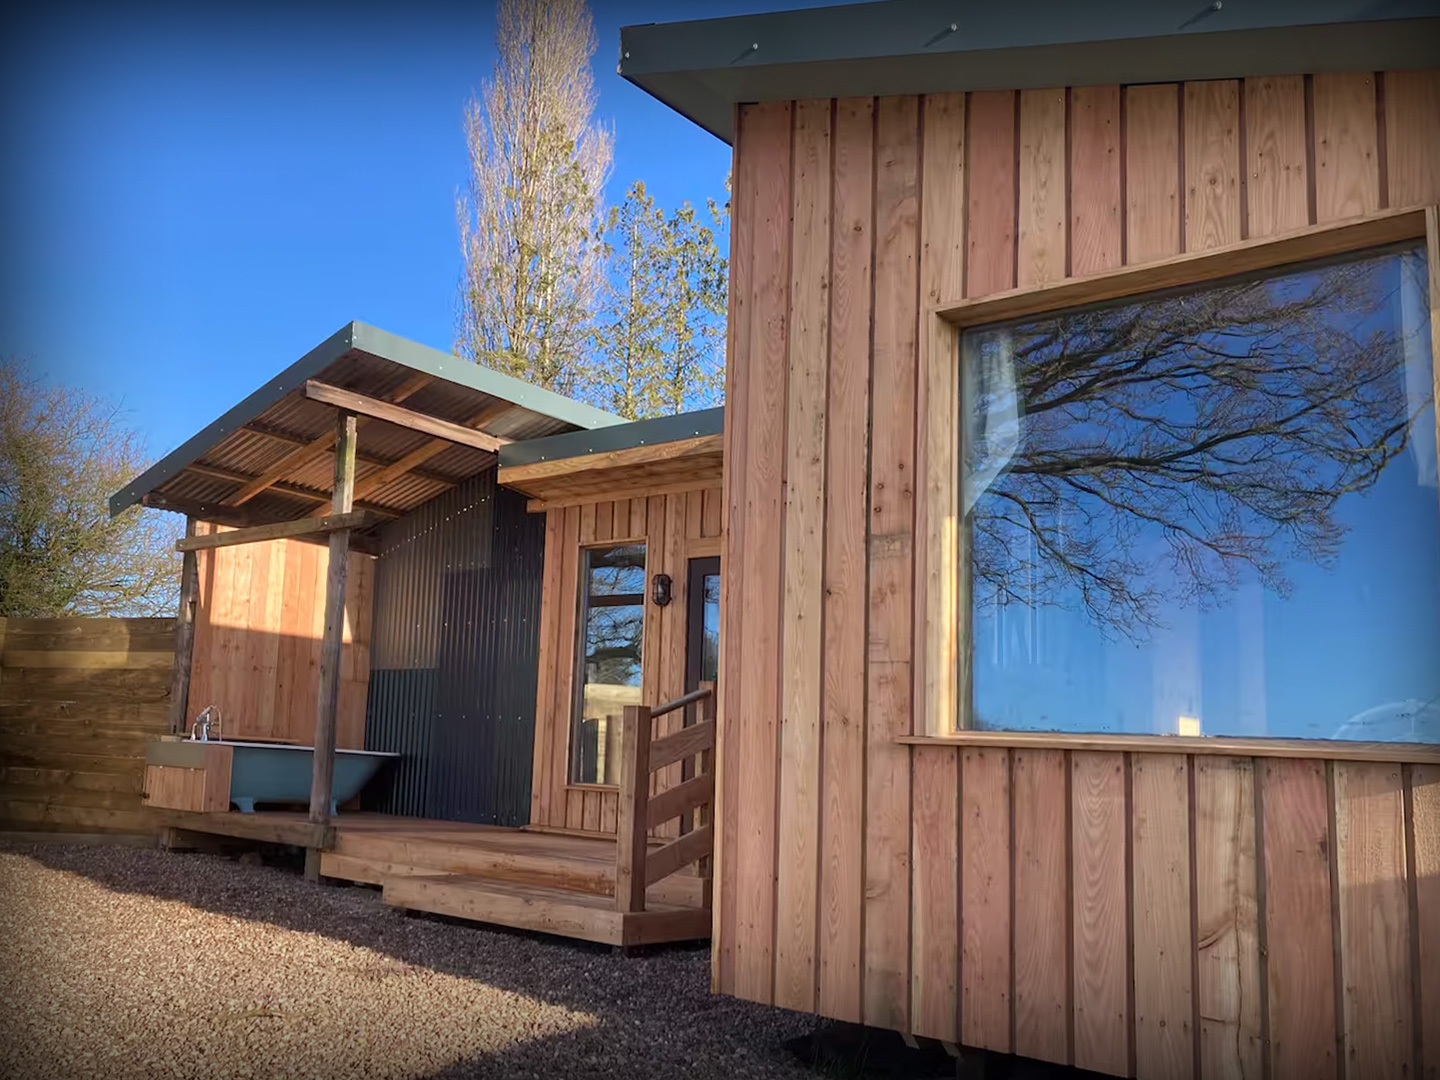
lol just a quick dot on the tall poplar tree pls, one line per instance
(530, 219)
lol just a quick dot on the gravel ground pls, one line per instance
(122, 962)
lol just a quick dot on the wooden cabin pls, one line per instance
(1066, 555)
(1033, 738)
(496, 638)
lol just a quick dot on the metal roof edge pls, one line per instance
(625, 436)
(365, 338)
(317, 359)
(703, 68)
(457, 369)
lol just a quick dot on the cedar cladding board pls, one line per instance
(259, 618)
(675, 527)
(1105, 909)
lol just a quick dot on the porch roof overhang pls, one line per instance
(703, 68)
(643, 457)
(269, 458)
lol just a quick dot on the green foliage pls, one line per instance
(61, 455)
(659, 340)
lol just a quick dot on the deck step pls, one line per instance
(547, 910)
(508, 856)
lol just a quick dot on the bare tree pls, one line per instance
(62, 453)
(530, 219)
(1147, 453)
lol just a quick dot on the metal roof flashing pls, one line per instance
(365, 340)
(704, 68)
(624, 436)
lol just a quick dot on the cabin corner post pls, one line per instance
(184, 634)
(633, 812)
(322, 781)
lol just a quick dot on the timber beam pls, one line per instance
(421, 454)
(293, 490)
(361, 456)
(349, 401)
(313, 449)
(281, 530)
(238, 518)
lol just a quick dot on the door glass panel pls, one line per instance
(612, 622)
(710, 629)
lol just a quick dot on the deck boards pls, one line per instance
(553, 882)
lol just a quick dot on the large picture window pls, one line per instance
(611, 629)
(1209, 512)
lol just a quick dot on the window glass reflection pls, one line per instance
(611, 634)
(1210, 512)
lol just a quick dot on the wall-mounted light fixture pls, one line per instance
(660, 591)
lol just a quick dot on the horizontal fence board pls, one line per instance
(86, 659)
(20, 777)
(79, 701)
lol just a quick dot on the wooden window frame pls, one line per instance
(577, 693)
(942, 600)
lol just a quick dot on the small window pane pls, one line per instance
(611, 633)
(1211, 512)
(710, 631)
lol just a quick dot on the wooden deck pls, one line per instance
(552, 882)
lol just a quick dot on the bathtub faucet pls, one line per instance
(209, 719)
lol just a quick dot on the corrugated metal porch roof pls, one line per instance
(257, 434)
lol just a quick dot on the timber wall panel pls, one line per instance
(799, 810)
(847, 411)
(935, 808)
(668, 525)
(259, 618)
(79, 699)
(1146, 914)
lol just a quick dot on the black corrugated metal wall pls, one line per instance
(454, 652)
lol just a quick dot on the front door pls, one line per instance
(702, 641)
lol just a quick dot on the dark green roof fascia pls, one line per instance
(661, 429)
(361, 337)
(703, 68)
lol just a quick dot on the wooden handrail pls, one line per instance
(636, 867)
(683, 700)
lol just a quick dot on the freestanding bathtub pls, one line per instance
(262, 772)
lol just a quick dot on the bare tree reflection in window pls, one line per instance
(611, 638)
(1133, 462)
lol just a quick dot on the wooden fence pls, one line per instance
(79, 698)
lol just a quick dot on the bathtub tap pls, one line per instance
(203, 723)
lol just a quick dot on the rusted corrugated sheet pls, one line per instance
(454, 652)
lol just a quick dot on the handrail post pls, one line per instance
(631, 828)
(706, 764)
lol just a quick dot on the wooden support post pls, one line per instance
(322, 781)
(705, 814)
(184, 636)
(633, 811)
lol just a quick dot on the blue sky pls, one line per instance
(197, 194)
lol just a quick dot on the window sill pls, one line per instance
(1418, 753)
(592, 787)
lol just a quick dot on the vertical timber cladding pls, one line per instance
(1146, 914)
(456, 633)
(259, 617)
(675, 528)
